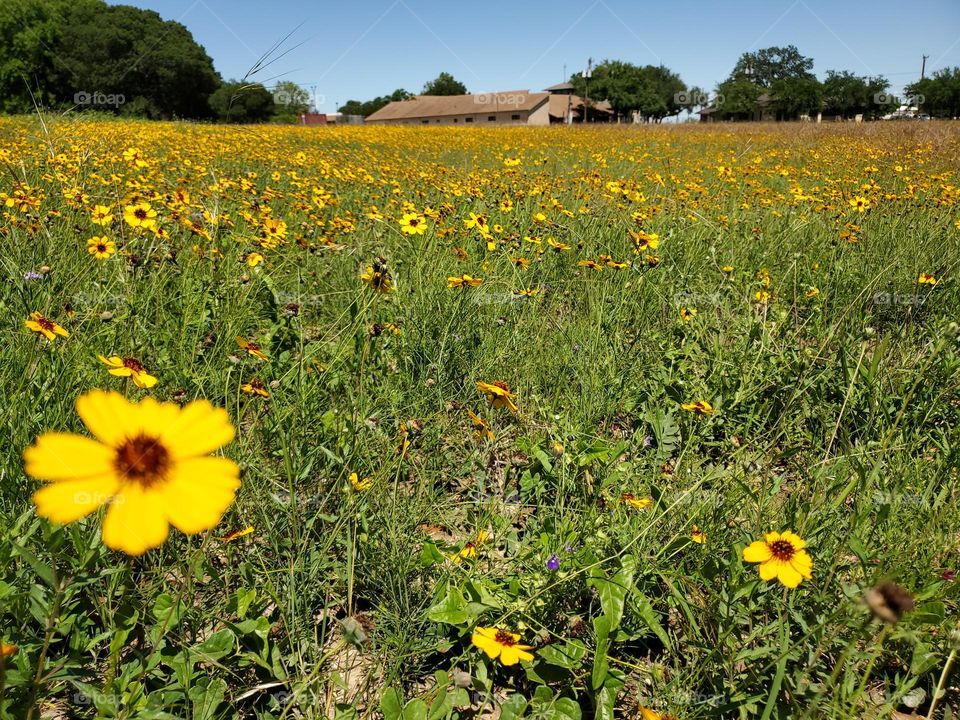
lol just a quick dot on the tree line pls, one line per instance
(88, 55)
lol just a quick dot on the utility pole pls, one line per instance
(586, 92)
(923, 67)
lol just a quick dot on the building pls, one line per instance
(567, 108)
(516, 107)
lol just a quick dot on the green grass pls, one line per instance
(836, 416)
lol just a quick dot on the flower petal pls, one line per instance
(64, 456)
(199, 492)
(769, 570)
(788, 576)
(757, 552)
(490, 646)
(512, 654)
(199, 429)
(108, 415)
(134, 522)
(69, 500)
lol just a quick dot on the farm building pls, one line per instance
(557, 104)
(517, 107)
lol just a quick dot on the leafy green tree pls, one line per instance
(940, 93)
(764, 67)
(356, 107)
(242, 102)
(738, 99)
(654, 92)
(30, 30)
(289, 101)
(156, 65)
(846, 94)
(796, 96)
(444, 84)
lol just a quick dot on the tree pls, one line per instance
(29, 30)
(796, 96)
(444, 84)
(654, 92)
(289, 102)
(114, 50)
(766, 66)
(241, 102)
(356, 107)
(738, 99)
(846, 94)
(938, 95)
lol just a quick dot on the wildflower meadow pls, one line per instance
(421, 423)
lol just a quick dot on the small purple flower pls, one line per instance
(569, 549)
(949, 575)
(553, 563)
(32, 276)
(649, 442)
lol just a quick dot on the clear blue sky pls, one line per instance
(358, 49)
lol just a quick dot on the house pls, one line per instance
(312, 118)
(567, 108)
(516, 107)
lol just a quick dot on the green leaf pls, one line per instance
(43, 571)
(931, 613)
(450, 609)
(416, 709)
(514, 707)
(613, 592)
(215, 647)
(391, 705)
(206, 697)
(647, 613)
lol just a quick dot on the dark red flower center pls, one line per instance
(45, 324)
(143, 460)
(782, 550)
(133, 364)
(140, 214)
(505, 638)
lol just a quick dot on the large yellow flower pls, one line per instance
(101, 247)
(463, 281)
(46, 327)
(413, 224)
(140, 215)
(498, 394)
(781, 556)
(129, 367)
(501, 643)
(701, 407)
(148, 463)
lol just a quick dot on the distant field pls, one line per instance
(701, 335)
